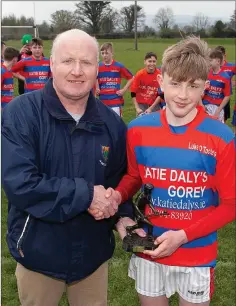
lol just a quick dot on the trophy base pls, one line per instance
(134, 243)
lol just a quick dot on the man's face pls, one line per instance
(215, 63)
(107, 56)
(37, 51)
(181, 97)
(150, 64)
(74, 67)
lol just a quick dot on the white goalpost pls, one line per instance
(36, 31)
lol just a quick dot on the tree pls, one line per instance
(200, 22)
(232, 23)
(91, 14)
(164, 18)
(44, 30)
(127, 20)
(62, 21)
(110, 21)
(148, 31)
(218, 30)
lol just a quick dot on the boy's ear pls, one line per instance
(160, 80)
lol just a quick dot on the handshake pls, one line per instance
(105, 202)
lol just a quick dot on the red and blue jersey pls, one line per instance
(7, 86)
(36, 72)
(219, 86)
(109, 81)
(190, 167)
(229, 68)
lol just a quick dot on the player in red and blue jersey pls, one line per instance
(184, 153)
(10, 56)
(110, 74)
(229, 68)
(36, 68)
(217, 95)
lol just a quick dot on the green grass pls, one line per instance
(121, 288)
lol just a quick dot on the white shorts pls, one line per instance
(193, 284)
(211, 108)
(118, 110)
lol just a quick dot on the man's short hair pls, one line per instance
(107, 46)
(216, 54)
(188, 60)
(36, 41)
(221, 48)
(3, 43)
(149, 55)
(10, 53)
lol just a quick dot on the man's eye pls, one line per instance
(68, 61)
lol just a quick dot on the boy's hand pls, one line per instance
(168, 242)
(120, 92)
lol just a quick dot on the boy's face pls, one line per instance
(215, 63)
(37, 51)
(150, 64)
(181, 97)
(107, 56)
(14, 61)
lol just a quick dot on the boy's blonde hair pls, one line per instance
(188, 60)
(106, 46)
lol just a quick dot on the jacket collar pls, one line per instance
(57, 110)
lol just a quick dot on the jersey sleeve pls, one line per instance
(227, 89)
(136, 81)
(131, 182)
(19, 66)
(125, 73)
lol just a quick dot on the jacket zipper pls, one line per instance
(20, 240)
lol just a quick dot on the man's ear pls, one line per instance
(160, 81)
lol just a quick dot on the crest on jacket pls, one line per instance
(105, 153)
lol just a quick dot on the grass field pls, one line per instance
(121, 288)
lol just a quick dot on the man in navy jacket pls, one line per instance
(61, 149)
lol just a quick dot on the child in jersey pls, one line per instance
(144, 88)
(183, 152)
(110, 73)
(36, 68)
(217, 95)
(10, 57)
(229, 68)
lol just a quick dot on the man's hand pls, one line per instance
(120, 92)
(123, 223)
(101, 206)
(114, 198)
(168, 242)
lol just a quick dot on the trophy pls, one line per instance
(132, 242)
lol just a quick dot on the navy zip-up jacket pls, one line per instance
(50, 165)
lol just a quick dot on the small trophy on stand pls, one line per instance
(132, 242)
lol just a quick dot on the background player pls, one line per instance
(110, 73)
(217, 95)
(10, 57)
(230, 68)
(36, 68)
(144, 89)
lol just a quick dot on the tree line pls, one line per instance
(99, 18)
